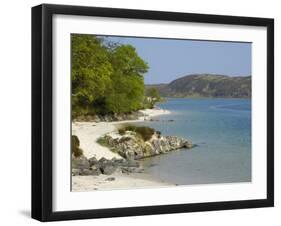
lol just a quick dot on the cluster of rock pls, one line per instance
(85, 167)
(109, 117)
(130, 146)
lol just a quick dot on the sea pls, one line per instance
(220, 129)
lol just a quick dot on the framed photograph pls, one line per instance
(145, 112)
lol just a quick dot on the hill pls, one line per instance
(206, 85)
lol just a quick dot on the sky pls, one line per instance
(170, 59)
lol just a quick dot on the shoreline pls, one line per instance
(88, 133)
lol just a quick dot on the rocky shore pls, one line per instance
(85, 167)
(106, 159)
(131, 148)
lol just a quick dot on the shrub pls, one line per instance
(103, 141)
(130, 128)
(144, 131)
(75, 143)
(121, 131)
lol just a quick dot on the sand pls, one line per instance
(115, 181)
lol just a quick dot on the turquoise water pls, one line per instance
(222, 130)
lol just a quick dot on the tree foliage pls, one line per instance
(106, 77)
(152, 96)
(153, 93)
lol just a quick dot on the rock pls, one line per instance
(188, 145)
(103, 159)
(110, 179)
(95, 170)
(93, 161)
(132, 163)
(108, 169)
(119, 161)
(85, 172)
(132, 147)
(164, 146)
(76, 172)
(85, 167)
(132, 170)
(89, 172)
(156, 147)
(106, 166)
(103, 162)
(80, 162)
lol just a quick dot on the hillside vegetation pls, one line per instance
(206, 85)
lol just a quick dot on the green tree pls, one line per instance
(127, 80)
(152, 96)
(106, 77)
(91, 71)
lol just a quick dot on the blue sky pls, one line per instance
(169, 59)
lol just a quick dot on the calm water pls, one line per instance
(222, 130)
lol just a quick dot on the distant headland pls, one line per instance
(206, 85)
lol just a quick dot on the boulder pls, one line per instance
(132, 163)
(132, 170)
(106, 166)
(95, 170)
(188, 145)
(93, 161)
(110, 179)
(86, 172)
(76, 172)
(80, 162)
(108, 169)
(89, 172)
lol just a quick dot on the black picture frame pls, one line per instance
(42, 111)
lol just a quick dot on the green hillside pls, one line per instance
(206, 85)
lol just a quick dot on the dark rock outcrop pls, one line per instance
(132, 148)
(80, 162)
(85, 167)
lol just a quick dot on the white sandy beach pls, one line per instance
(88, 133)
(120, 181)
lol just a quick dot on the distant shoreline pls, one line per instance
(202, 97)
(206, 85)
